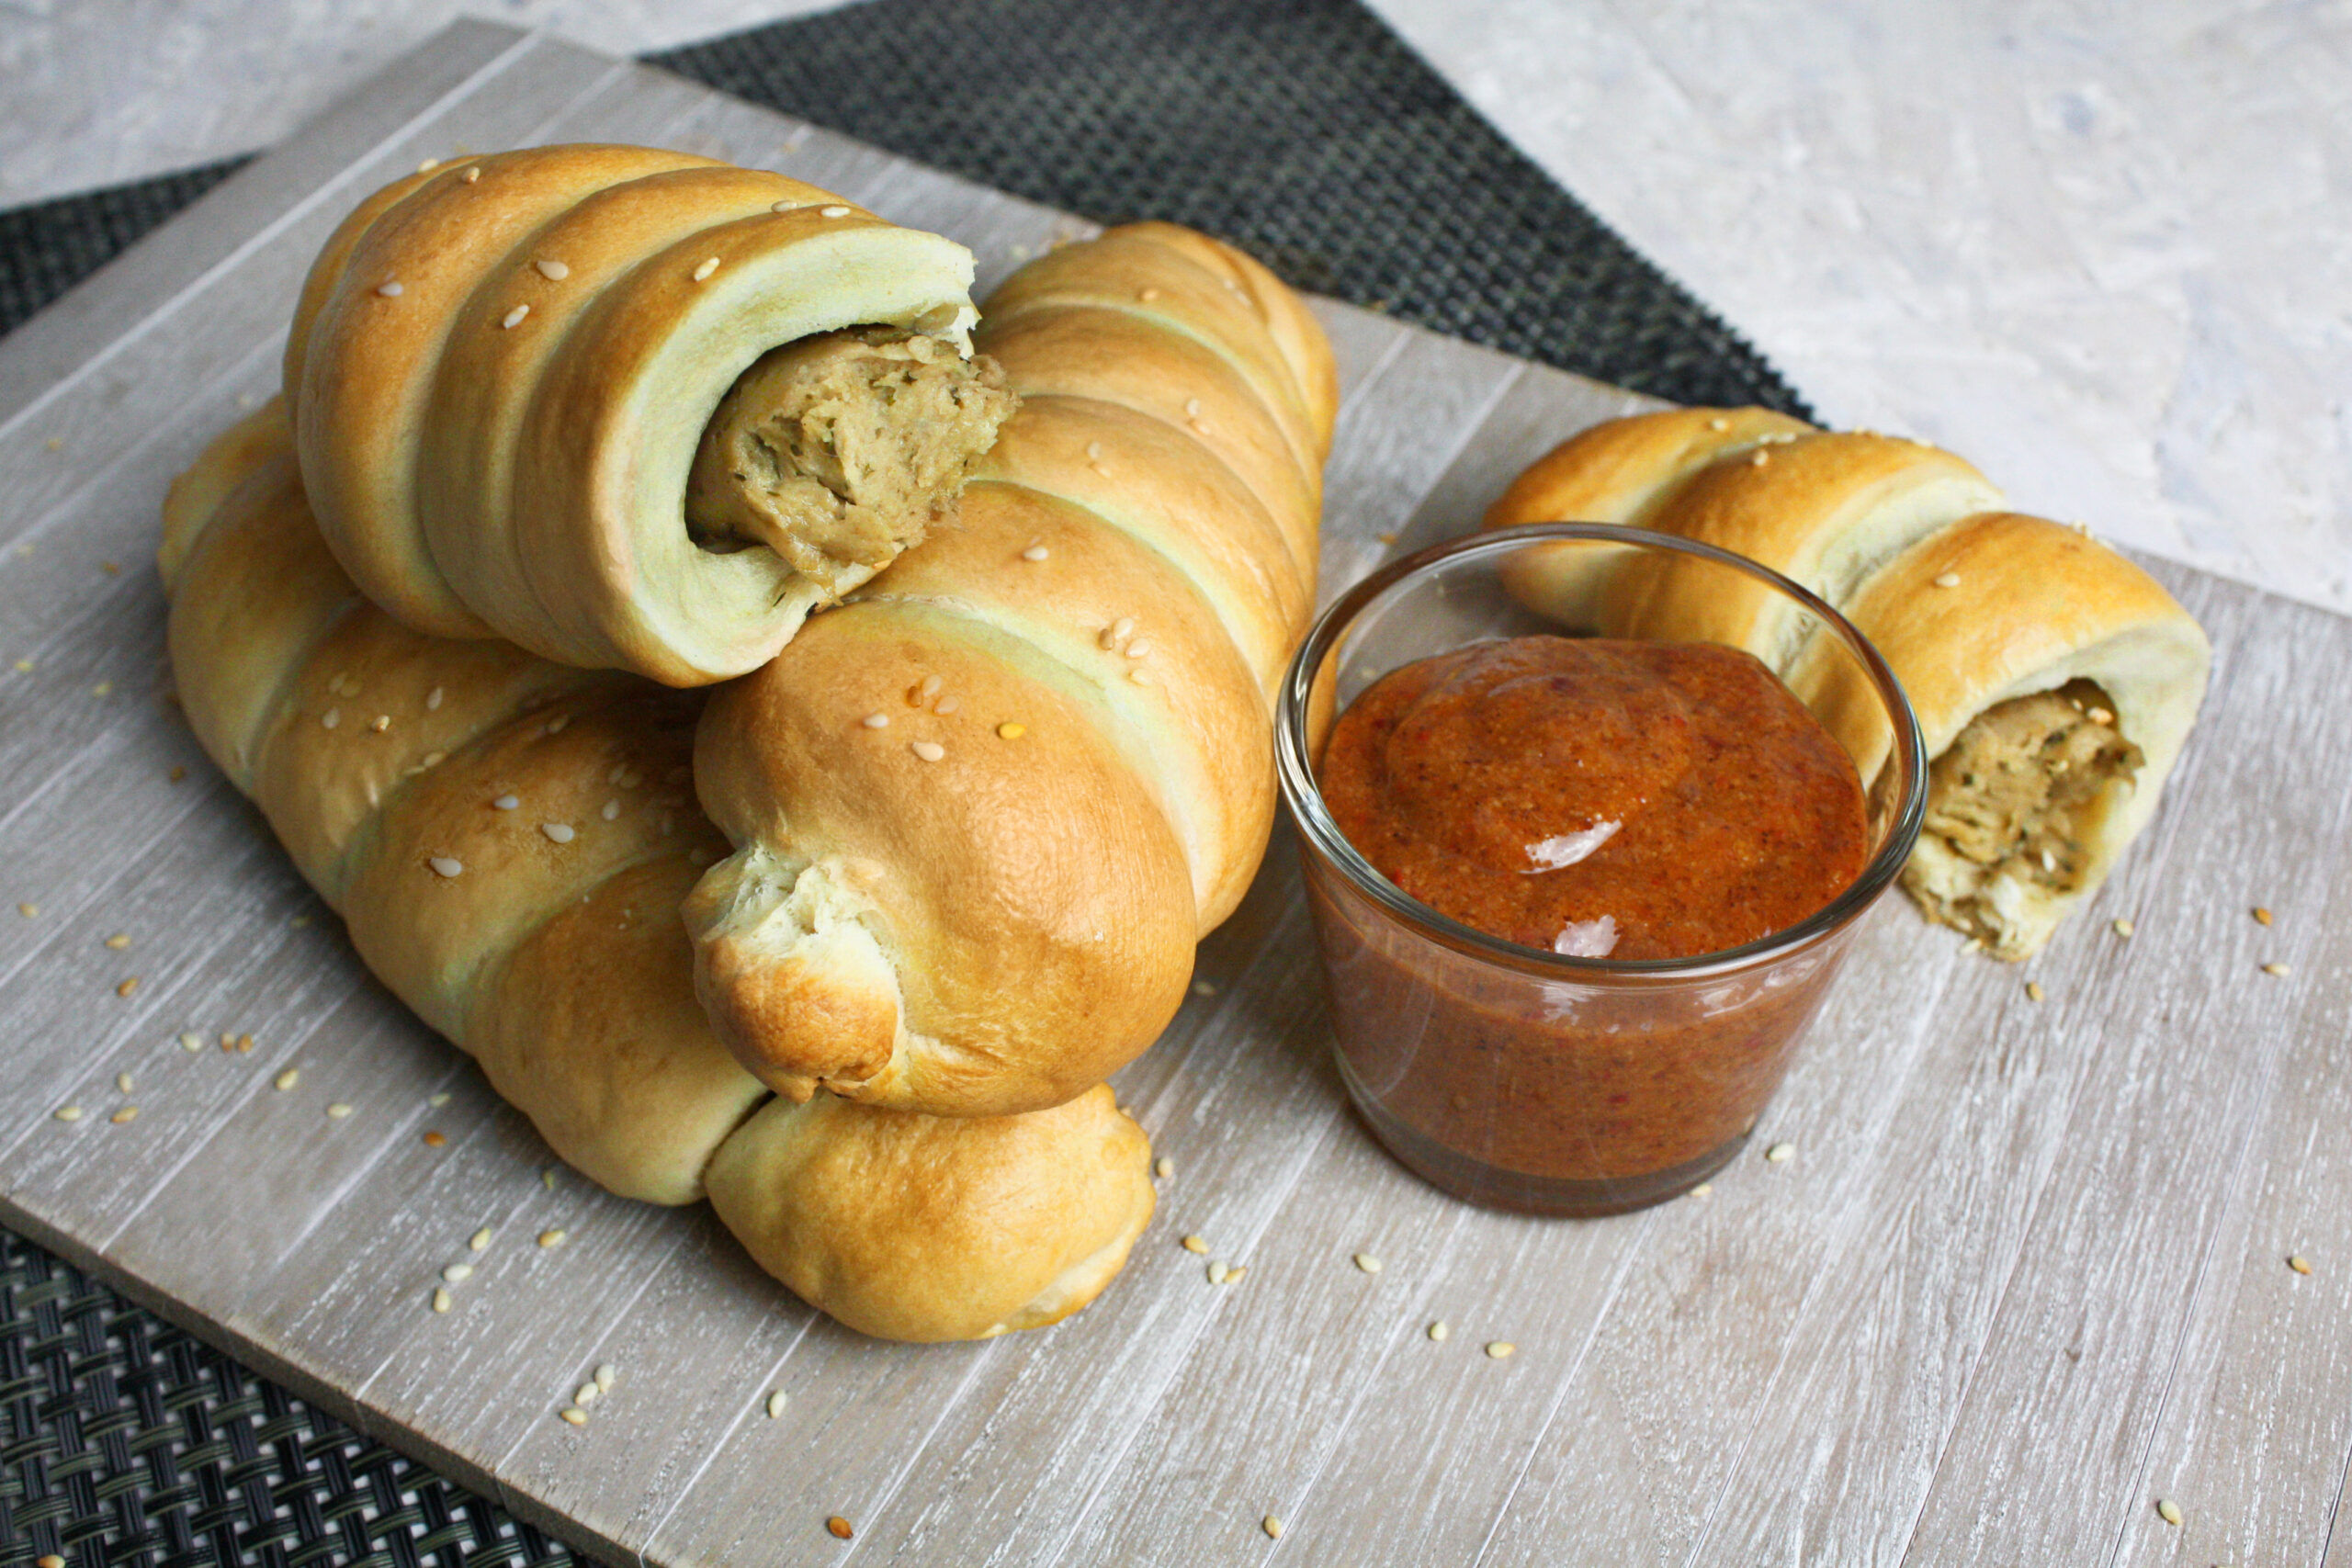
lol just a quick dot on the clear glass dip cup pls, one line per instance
(1519, 1078)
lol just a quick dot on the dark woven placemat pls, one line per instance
(1304, 131)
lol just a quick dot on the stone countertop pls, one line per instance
(2103, 251)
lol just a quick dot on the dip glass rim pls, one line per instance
(1305, 798)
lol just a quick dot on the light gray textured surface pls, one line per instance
(2025, 1276)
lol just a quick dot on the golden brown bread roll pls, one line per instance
(503, 372)
(508, 840)
(984, 810)
(2054, 680)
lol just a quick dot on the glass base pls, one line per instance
(1491, 1186)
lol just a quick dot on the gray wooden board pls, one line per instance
(2025, 1277)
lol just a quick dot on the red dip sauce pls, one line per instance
(1627, 800)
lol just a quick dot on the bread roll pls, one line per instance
(983, 811)
(508, 840)
(503, 373)
(2054, 682)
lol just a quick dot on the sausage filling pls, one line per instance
(2015, 797)
(840, 452)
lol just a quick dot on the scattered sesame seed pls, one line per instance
(330, 718)
(875, 721)
(434, 1139)
(457, 1274)
(433, 699)
(1272, 1526)
(24, 666)
(390, 289)
(930, 687)
(1191, 408)
(551, 1238)
(191, 1041)
(709, 265)
(1368, 1262)
(1947, 580)
(428, 165)
(1779, 1152)
(1194, 1244)
(1095, 451)
(228, 1041)
(2261, 915)
(946, 705)
(506, 803)
(833, 212)
(2033, 992)
(445, 865)
(1703, 1189)
(573, 1416)
(605, 1376)
(103, 689)
(127, 1113)
(338, 1111)
(560, 832)
(124, 1083)
(30, 911)
(1203, 987)
(1148, 295)
(2299, 1263)
(440, 1298)
(1217, 1272)
(2276, 969)
(553, 271)
(2168, 1510)
(49, 1560)
(244, 1045)
(67, 1113)
(1008, 730)
(118, 941)
(585, 1394)
(776, 1404)
(838, 1525)
(381, 723)
(126, 987)
(783, 207)
(287, 1080)
(1437, 1331)
(1719, 423)
(473, 174)
(1163, 1167)
(929, 751)
(546, 1177)
(1500, 1349)
(479, 1241)
(1140, 649)
(2099, 716)
(513, 318)
(437, 1099)
(431, 760)
(1141, 676)
(1759, 458)
(1385, 539)
(1035, 553)
(1233, 1275)
(2122, 928)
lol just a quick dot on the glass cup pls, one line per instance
(1522, 1079)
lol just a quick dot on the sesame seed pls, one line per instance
(1194, 1244)
(1368, 1262)
(428, 165)
(49, 1560)
(126, 987)
(2033, 992)
(127, 1113)
(783, 207)
(1719, 423)
(330, 718)
(605, 1376)
(437, 1099)
(1272, 1526)
(2122, 928)
(433, 699)
(472, 175)
(1217, 1272)
(930, 687)
(103, 689)
(573, 1416)
(2261, 915)
(1500, 1349)
(1141, 676)
(123, 1083)
(875, 721)
(431, 760)
(833, 212)
(547, 1176)
(1148, 295)
(506, 803)
(709, 265)
(929, 751)
(1191, 408)
(1204, 988)
(551, 1238)
(287, 1080)
(338, 1111)
(1035, 553)
(838, 1525)
(1779, 1153)
(2099, 716)
(1703, 1189)
(244, 1045)
(1163, 1167)
(553, 271)
(67, 1113)
(479, 1241)
(191, 1042)
(1008, 730)
(1758, 460)
(2299, 1263)
(610, 811)
(30, 911)
(390, 289)
(513, 318)
(118, 941)
(1095, 451)
(1233, 1275)
(1437, 1331)
(440, 1298)
(1947, 580)
(1140, 649)
(381, 723)
(559, 832)
(435, 1140)
(776, 1404)
(2278, 970)
(457, 1274)
(946, 705)
(2168, 1510)
(445, 865)
(585, 1394)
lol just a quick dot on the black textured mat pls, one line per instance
(1304, 131)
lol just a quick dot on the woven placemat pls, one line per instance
(1306, 132)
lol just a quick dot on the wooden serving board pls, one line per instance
(2025, 1275)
